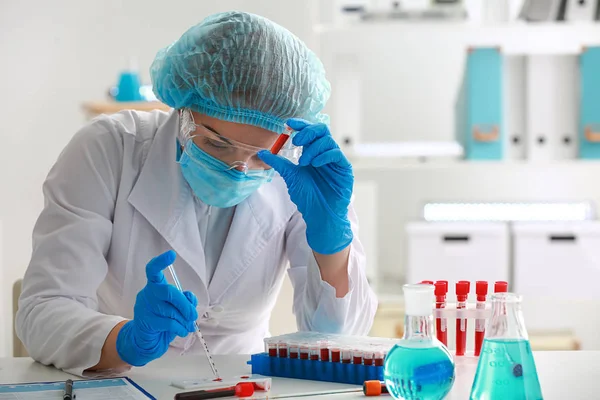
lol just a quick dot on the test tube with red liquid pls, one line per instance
(462, 292)
(304, 351)
(368, 358)
(357, 357)
(272, 348)
(378, 357)
(324, 350)
(481, 289)
(293, 349)
(336, 355)
(314, 352)
(282, 348)
(281, 140)
(441, 324)
(346, 356)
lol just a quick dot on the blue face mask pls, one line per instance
(214, 183)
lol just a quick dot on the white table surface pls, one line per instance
(571, 375)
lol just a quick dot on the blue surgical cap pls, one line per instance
(243, 68)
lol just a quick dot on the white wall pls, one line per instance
(56, 54)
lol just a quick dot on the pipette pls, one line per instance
(198, 334)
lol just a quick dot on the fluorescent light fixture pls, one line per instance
(505, 212)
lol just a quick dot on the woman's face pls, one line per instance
(231, 141)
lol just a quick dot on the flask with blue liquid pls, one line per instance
(506, 368)
(419, 366)
(128, 88)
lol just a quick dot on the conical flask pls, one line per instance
(506, 369)
(419, 367)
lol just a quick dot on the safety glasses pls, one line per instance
(228, 154)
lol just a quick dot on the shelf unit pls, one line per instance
(392, 163)
(512, 38)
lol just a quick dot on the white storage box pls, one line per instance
(514, 107)
(456, 251)
(552, 107)
(557, 259)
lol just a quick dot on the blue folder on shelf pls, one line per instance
(479, 105)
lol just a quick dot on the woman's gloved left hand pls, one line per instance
(320, 185)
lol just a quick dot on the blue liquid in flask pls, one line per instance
(506, 371)
(419, 373)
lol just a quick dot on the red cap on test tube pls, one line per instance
(500, 287)
(462, 290)
(441, 288)
(427, 282)
(481, 289)
(244, 389)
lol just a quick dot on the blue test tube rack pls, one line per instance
(327, 371)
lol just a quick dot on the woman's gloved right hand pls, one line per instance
(161, 312)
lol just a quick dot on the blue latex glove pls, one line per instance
(320, 185)
(161, 312)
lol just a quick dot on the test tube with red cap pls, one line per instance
(481, 289)
(500, 287)
(441, 324)
(462, 292)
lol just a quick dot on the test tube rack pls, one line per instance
(323, 357)
(465, 318)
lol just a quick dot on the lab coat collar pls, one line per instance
(163, 197)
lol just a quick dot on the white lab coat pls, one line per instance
(115, 199)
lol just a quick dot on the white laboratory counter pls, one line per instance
(573, 375)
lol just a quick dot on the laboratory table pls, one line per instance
(573, 375)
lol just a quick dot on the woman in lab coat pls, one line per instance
(133, 193)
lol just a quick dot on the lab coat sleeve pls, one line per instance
(58, 321)
(315, 305)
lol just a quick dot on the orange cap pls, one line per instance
(374, 388)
